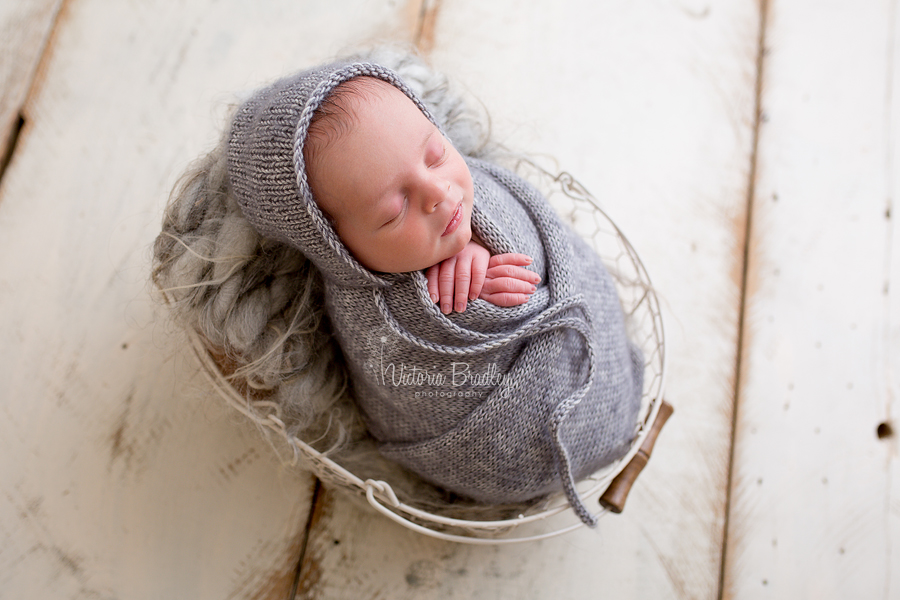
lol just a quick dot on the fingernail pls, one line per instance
(460, 306)
(533, 288)
(445, 308)
(472, 298)
(434, 298)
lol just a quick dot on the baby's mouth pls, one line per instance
(455, 220)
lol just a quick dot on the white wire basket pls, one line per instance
(545, 517)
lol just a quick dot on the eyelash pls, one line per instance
(399, 214)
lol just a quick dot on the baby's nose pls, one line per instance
(436, 192)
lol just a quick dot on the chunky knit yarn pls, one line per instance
(497, 404)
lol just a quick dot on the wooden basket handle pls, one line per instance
(613, 499)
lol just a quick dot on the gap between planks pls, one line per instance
(313, 507)
(744, 280)
(10, 139)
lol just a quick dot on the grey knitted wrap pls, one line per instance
(497, 404)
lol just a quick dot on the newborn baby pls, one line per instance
(400, 196)
(492, 380)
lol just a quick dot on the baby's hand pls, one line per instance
(459, 278)
(473, 272)
(506, 282)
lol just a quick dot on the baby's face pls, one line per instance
(399, 193)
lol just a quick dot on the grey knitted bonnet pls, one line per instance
(268, 172)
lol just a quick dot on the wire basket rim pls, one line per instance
(380, 495)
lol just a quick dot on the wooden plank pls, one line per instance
(651, 106)
(122, 476)
(815, 504)
(24, 30)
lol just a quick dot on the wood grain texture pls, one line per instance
(815, 506)
(650, 105)
(122, 476)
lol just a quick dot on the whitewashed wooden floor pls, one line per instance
(748, 149)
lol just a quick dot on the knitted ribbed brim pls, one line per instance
(268, 174)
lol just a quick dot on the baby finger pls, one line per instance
(431, 276)
(446, 281)
(514, 272)
(507, 284)
(510, 258)
(461, 283)
(505, 298)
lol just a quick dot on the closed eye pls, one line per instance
(435, 157)
(396, 218)
(443, 156)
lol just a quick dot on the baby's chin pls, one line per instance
(459, 242)
(463, 237)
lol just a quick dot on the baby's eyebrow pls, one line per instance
(428, 137)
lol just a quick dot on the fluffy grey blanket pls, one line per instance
(497, 404)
